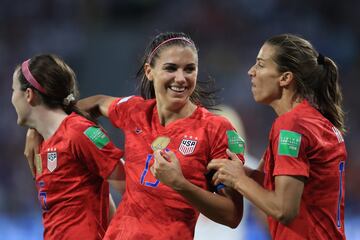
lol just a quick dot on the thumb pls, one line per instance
(232, 155)
(169, 155)
(158, 157)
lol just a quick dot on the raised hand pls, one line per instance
(167, 169)
(228, 172)
(32, 143)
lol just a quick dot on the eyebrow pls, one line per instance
(174, 64)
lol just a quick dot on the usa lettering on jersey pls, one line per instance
(187, 145)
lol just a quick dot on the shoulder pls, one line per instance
(304, 118)
(81, 132)
(76, 125)
(133, 102)
(303, 123)
(213, 120)
(216, 118)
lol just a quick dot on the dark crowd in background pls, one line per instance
(103, 41)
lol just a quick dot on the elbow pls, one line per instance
(234, 221)
(234, 224)
(287, 216)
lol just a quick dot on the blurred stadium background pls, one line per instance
(103, 40)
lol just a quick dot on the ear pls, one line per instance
(148, 72)
(286, 79)
(31, 96)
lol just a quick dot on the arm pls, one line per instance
(256, 174)
(117, 178)
(32, 143)
(282, 204)
(226, 209)
(112, 207)
(117, 181)
(96, 106)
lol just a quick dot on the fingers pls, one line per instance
(31, 148)
(215, 164)
(160, 156)
(152, 170)
(169, 155)
(216, 179)
(166, 155)
(29, 153)
(30, 156)
(160, 161)
(157, 159)
(232, 155)
(217, 182)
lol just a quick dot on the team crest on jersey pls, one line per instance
(187, 145)
(52, 160)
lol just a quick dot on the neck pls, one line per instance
(168, 114)
(47, 121)
(286, 103)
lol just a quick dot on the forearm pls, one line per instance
(95, 105)
(117, 178)
(256, 175)
(216, 207)
(118, 185)
(265, 200)
(112, 208)
(33, 140)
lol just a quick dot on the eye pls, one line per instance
(170, 68)
(259, 64)
(190, 69)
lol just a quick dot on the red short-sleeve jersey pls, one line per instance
(304, 143)
(71, 175)
(150, 209)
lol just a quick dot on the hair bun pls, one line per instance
(70, 98)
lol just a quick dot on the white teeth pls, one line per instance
(177, 89)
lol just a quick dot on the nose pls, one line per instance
(180, 76)
(251, 71)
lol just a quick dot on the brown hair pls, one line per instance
(316, 76)
(204, 93)
(57, 79)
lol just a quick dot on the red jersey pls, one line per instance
(304, 143)
(150, 209)
(71, 178)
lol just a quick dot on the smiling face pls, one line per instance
(19, 101)
(174, 76)
(265, 76)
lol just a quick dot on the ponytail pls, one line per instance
(53, 80)
(328, 96)
(317, 77)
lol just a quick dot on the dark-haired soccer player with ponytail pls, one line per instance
(303, 168)
(163, 198)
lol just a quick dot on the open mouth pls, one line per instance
(177, 89)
